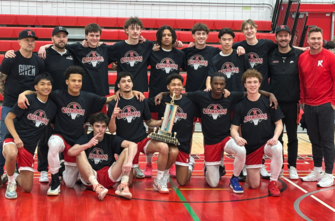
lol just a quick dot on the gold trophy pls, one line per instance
(164, 134)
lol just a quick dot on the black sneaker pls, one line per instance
(222, 170)
(241, 177)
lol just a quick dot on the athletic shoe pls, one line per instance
(293, 174)
(273, 189)
(11, 191)
(222, 170)
(138, 173)
(313, 176)
(244, 171)
(243, 175)
(235, 186)
(148, 170)
(191, 164)
(54, 192)
(123, 191)
(44, 177)
(160, 186)
(4, 179)
(326, 181)
(264, 173)
(172, 171)
(100, 190)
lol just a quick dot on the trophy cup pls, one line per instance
(164, 134)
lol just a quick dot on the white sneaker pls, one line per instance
(160, 186)
(191, 164)
(313, 176)
(326, 181)
(293, 173)
(54, 192)
(11, 190)
(264, 172)
(244, 171)
(138, 173)
(44, 177)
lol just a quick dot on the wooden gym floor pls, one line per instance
(195, 201)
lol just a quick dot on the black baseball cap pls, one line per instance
(27, 33)
(283, 28)
(59, 29)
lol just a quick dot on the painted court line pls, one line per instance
(314, 197)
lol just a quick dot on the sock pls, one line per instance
(167, 172)
(54, 181)
(318, 169)
(149, 158)
(135, 165)
(93, 180)
(272, 179)
(160, 174)
(222, 161)
(233, 176)
(11, 179)
(125, 179)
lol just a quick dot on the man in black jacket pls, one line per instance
(284, 84)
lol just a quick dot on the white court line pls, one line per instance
(305, 191)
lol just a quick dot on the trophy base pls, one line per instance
(165, 137)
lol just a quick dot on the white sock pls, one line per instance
(149, 158)
(135, 165)
(160, 174)
(11, 179)
(167, 172)
(222, 161)
(318, 169)
(125, 179)
(93, 180)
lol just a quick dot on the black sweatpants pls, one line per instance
(290, 121)
(43, 149)
(320, 129)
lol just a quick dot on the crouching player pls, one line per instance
(95, 158)
(261, 126)
(24, 133)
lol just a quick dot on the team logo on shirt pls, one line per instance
(254, 59)
(131, 58)
(180, 115)
(197, 61)
(128, 113)
(255, 116)
(27, 70)
(167, 64)
(39, 117)
(74, 110)
(93, 58)
(229, 69)
(215, 110)
(97, 155)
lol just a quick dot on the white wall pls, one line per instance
(199, 9)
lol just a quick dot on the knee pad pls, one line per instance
(212, 175)
(56, 145)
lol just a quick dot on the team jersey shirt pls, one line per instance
(55, 65)
(183, 121)
(215, 114)
(95, 62)
(233, 66)
(133, 59)
(73, 112)
(258, 57)
(129, 122)
(257, 120)
(163, 63)
(20, 73)
(196, 66)
(31, 122)
(102, 154)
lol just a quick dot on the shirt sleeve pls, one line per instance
(151, 101)
(331, 60)
(276, 114)
(236, 44)
(98, 102)
(111, 106)
(236, 96)
(82, 139)
(112, 53)
(17, 110)
(6, 66)
(73, 47)
(193, 96)
(211, 67)
(237, 116)
(116, 143)
(146, 111)
(41, 65)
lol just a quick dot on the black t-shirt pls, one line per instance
(215, 114)
(102, 154)
(56, 64)
(163, 63)
(129, 122)
(73, 112)
(257, 120)
(233, 66)
(31, 122)
(95, 62)
(258, 57)
(196, 65)
(20, 73)
(133, 59)
(183, 122)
